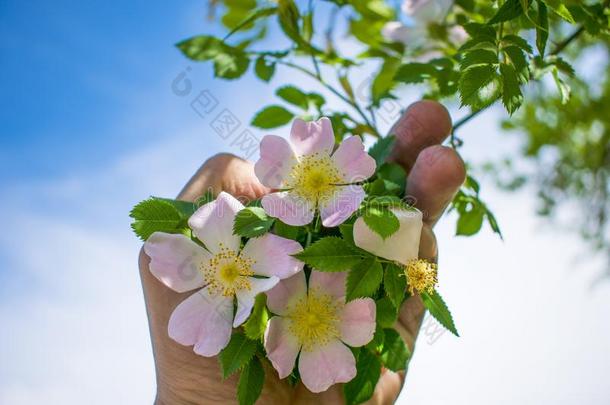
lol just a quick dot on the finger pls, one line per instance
(224, 172)
(423, 124)
(434, 179)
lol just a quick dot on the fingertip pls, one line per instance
(423, 124)
(437, 175)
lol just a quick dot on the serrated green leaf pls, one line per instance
(376, 344)
(231, 65)
(251, 18)
(380, 220)
(542, 27)
(286, 231)
(438, 309)
(264, 70)
(294, 96)
(396, 353)
(473, 81)
(415, 73)
(384, 80)
(237, 354)
(159, 215)
(251, 382)
(251, 222)
(331, 254)
(272, 117)
(386, 313)
(510, 10)
(511, 91)
(471, 221)
(381, 150)
(518, 42)
(395, 283)
(363, 279)
(561, 10)
(257, 322)
(361, 388)
(478, 57)
(517, 58)
(347, 232)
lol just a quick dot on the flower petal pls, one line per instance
(358, 322)
(327, 365)
(282, 348)
(276, 161)
(175, 260)
(395, 31)
(312, 137)
(329, 283)
(288, 207)
(402, 246)
(352, 161)
(245, 298)
(426, 11)
(212, 223)
(202, 320)
(272, 256)
(342, 205)
(286, 292)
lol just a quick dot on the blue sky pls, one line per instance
(91, 126)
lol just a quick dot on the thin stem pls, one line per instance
(336, 92)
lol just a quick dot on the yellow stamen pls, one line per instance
(421, 276)
(227, 272)
(314, 178)
(314, 319)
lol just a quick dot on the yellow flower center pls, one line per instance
(315, 178)
(227, 272)
(421, 276)
(314, 319)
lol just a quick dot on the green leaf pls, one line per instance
(231, 65)
(264, 70)
(396, 353)
(384, 80)
(542, 27)
(387, 313)
(160, 215)
(561, 10)
(272, 117)
(511, 92)
(294, 96)
(395, 283)
(473, 81)
(381, 150)
(251, 18)
(288, 18)
(510, 10)
(257, 322)
(438, 309)
(518, 42)
(376, 344)
(478, 57)
(361, 388)
(470, 221)
(564, 89)
(250, 383)
(252, 222)
(331, 254)
(364, 279)
(347, 232)
(202, 47)
(415, 73)
(382, 221)
(237, 354)
(517, 58)
(286, 231)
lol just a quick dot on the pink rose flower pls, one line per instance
(317, 323)
(221, 272)
(310, 176)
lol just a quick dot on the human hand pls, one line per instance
(435, 174)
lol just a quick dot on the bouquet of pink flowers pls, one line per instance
(309, 278)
